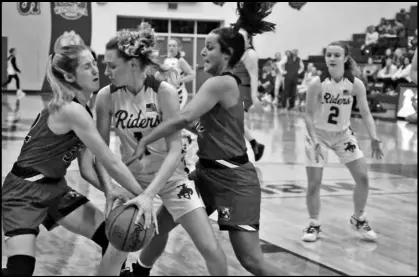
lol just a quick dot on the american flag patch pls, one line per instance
(345, 92)
(151, 107)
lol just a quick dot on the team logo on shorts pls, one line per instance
(72, 194)
(224, 213)
(184, 192)
(71, 10)
(350, 147)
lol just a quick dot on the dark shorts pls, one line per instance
(26, 204)
(234, 192)
(246, 96)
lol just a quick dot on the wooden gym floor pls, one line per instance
(392, 207)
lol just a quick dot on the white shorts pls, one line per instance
(179, 196)
(343, 143)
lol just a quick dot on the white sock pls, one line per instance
(314, 222)
(145, 266)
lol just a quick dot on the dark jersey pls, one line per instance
(221, 131)
(47, 153)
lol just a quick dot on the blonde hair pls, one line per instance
(65, 61)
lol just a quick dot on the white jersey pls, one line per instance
(181, 88)
(336, 102)
(135, 116)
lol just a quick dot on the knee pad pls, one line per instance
(19, 265)
(100, 238)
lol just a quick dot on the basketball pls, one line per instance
(123, 233)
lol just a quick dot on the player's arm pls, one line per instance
(209, 94)
(414, 69)
(103, 125)
(168, 101)
(186, 68)
(87, 170)
(250, 61)
(77, 119)
(361, 97)
(313, 94)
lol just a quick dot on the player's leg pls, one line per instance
(347, 149)
(314, 171)
(247, 102)
(155, 248)
(77, 214)
(22, 213)
(246, 245)
(183, 202)
(237, 197)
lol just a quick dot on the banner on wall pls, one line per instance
(71, 24)
(29, 8)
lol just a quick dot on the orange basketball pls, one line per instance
(123, 233)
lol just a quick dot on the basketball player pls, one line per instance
(414, 68)
(12, 73)
(247, 70)
(136, 103)
(329, 104)
(227, 181)
(184, 74)
(35, 192)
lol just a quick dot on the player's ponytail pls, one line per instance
(251, 17)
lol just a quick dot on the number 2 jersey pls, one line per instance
(335, 106)
(44, 152)
(135, 116)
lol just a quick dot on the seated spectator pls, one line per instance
(402, 75)
(388, 54)
(398, 57)
(267, 83)
(380, 28)
(371, 41)
(385, 74)
(388, 30)
(369, 71)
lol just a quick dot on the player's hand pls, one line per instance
(116, 196)
(139, 152)
(376, 149)
(145, 207)
(318, 152)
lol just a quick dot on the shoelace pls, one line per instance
(312, 229)
(362, 224)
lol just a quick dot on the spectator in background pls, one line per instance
(310, 73)
(388, 54)
(371, 41)
(267, 83)
(380, 27)
(370, 70)
(398, 57)
(385, 74)
(414, 69)
(279, 80)
(402, 75)
(292, 66)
